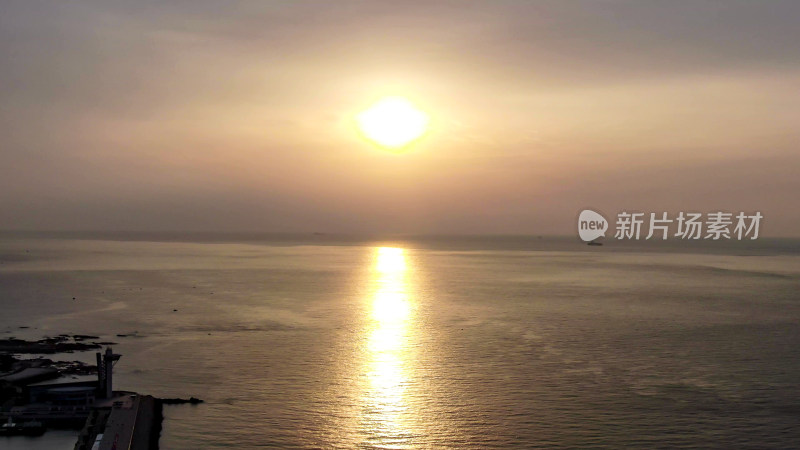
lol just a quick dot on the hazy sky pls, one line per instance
(212, 115)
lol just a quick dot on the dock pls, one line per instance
(42, 397)
(128, 421)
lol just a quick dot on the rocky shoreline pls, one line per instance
(11, 348)
(50, 345)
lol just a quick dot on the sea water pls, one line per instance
(318, 342)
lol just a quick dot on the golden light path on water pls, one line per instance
(388, 351)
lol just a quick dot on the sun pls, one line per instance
(392, 123)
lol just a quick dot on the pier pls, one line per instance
(129, 421)
(110, 419)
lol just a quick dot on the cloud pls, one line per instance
(112, 113)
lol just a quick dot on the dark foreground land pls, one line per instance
(129, 421)
(39, 391)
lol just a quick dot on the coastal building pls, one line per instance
(111, 419)
(60, 399)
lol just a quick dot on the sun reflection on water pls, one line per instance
(387, 349)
